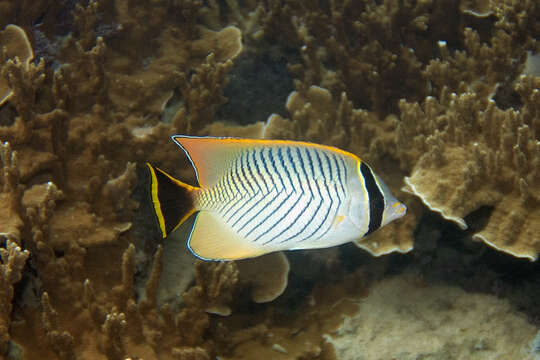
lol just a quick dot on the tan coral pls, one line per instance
(215, 285)
(225, 44)
(114, 329)
(11, 222)
(477, 155)
(315, 117)
(25, 81)
(352, 48)
(13, 43)
(12, 263)
(61, 341)
(266, 285)
(201, 92)
(154, 87)
(473, 69)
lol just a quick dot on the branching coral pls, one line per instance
(35, 122)
(62, 342)
(201, 93)
(162, 328)
(12, 263)
(356, 48)
(477, 155)
(478, 68)
(10, 196)
(13, 44)
(214, 289)
(24, 80)
(114, 329)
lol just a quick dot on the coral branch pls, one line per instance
(114, 329)
(61, 341)
(12, 263)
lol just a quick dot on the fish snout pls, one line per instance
(395, 211)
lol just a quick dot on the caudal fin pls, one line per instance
(172, 200)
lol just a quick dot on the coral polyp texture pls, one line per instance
(442, 99)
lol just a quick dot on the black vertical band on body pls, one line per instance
(376, 199)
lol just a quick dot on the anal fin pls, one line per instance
(212, 239)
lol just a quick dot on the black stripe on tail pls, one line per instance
(172, 200)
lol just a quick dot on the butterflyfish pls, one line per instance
(259, 196)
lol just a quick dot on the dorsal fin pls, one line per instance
(210, 156)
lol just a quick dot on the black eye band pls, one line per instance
(376, 199)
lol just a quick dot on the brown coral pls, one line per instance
(10, 219)
(13, 261)
(13, 44)
(265, 286)
(215, 286)
(476, 155)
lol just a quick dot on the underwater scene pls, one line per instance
(270, 179)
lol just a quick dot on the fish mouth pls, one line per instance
(395, 211)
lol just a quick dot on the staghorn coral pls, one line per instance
(11, 222)
(13, 261)
(114, 329)
(356, 48)
(475, 69)
(24, 82)
(202, 92)
(62, 342)
(215, 285)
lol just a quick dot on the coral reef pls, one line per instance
(493, 156)
(441, 97)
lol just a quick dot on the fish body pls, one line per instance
(259, 196)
